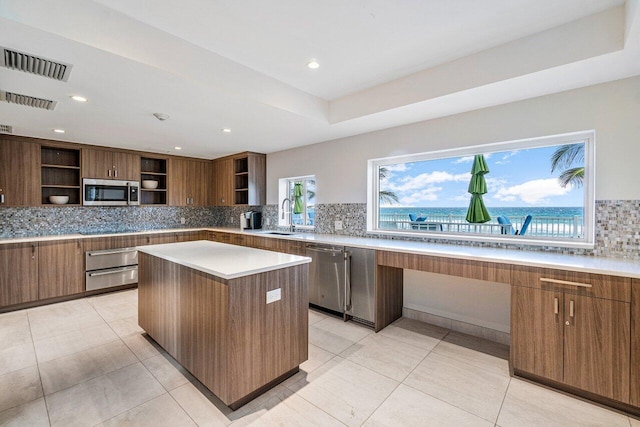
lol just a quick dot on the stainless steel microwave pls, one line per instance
(110, 192)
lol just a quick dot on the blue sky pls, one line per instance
(516, 179)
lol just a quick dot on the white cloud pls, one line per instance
(424, 195)
(532, 192)
(505, 157)
(400, 167)
(417, 182)
(465, 159)
(469, 159)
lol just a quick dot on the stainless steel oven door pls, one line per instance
(109, 192)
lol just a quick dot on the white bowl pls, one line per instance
(149, 184)
(59, 200)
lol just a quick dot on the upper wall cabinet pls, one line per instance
(19, 173)
(188, 182)
(103, 164)
(240, 180)
(60, 174)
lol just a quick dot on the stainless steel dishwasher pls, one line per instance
(327, 276)
(343, 280)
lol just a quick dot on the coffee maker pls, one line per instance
(251, 220)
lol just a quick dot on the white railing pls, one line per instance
(540, 226)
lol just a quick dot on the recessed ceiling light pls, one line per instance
(177, 148)
(79, 98)
(58, 130)
(226, 130)
(313, 64)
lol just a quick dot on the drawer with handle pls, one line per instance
(573, 282)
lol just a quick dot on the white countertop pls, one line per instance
(223, 260)
(590, 264)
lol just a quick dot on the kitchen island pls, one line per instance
(235, 317)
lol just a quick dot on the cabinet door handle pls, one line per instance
(571, 308)
(115, 173)
(33, 251)
(556, 306)
(109, 173)
(566, 282)
(2, 199)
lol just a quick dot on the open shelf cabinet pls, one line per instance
(60, 174)
(153, 169)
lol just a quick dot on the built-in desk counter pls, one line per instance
(235, 317)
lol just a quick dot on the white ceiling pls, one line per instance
(241, 64)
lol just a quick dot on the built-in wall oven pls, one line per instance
(111, 267)
(110, 192)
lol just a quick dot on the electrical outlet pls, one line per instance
(274, 295)
(337, 225)
(183, 221)
(231, 219)
(267, 222)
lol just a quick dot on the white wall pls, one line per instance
(612, 109)
(340, 166)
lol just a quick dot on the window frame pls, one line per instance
(284, 192)
(587, 242)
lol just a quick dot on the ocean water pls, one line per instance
(513, 214)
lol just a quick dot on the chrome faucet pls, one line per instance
(291, 226)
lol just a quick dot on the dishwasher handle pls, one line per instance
(347, 281)
(325, 250)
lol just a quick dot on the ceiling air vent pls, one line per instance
(6, 129)
(29, 101)
(28, 63)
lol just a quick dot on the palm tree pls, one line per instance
(565, 157)
(386, 197)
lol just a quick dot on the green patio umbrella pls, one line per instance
(477, 212)
(298, 206)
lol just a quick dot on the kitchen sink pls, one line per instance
(278, 233)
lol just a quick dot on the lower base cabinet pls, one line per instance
(61, 269)
(577, 340)
(18, 273)
(635, 343)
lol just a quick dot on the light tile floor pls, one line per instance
(87, 363)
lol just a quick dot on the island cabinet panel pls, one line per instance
(635, 343)
(223, 331)
(61, 269)
(268, 340)
(490, 271)
(18, 273)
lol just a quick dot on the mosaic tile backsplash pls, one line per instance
(617, 223)
(23, 222)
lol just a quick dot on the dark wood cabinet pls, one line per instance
(537, 332)
(18, 273)
(104, 164)
(19, 173)
(574, 331)
(240, 180)
(189, 182)
(60, 269)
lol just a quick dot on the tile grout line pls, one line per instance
(407, 376)
(503, 399)
(44, 398)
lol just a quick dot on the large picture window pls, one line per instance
(536, 191)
